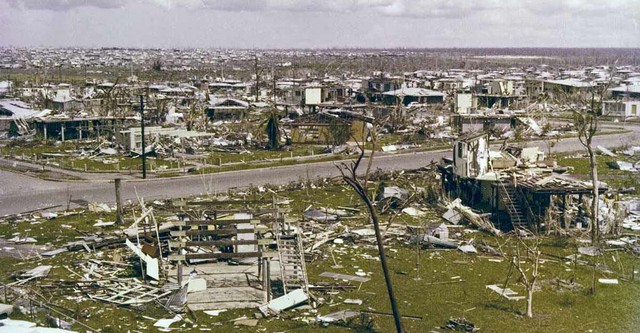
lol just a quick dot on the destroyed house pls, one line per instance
(13, 110)
(230, 86)
(497, 100)
(542, 201)
(471, 155)
(412, 95)
(326, 94)
(628, 91)
(569, 86)
(515, 186)
(219, 241)
(373, 88)
(226, 109)
(381, 84)
(292, 95)
(321, 128)
(131, 138)
(76, 128)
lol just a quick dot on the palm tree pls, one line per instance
(273, 130)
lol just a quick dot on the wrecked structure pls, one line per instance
(518, 186)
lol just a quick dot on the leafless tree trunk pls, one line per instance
(529, 281)
(587, 110)
(349, 175)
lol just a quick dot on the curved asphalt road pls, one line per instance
(21, 193)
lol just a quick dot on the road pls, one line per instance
(20, 193)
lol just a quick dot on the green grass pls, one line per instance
(216, 157)
(59, 230)
(37, 153)
(616, 179)
(614, 308)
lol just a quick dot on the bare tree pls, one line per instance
(157, 64)
(587, 112)
(360, 186)
(528, 265)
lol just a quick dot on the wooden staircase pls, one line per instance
(510, 198)
(292, 267)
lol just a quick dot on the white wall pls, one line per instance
(464, 103)
(313, 96)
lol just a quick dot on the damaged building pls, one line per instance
(517, 186)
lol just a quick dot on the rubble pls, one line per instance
(461, 325)
(471, 217)
(21, 326)
(606, 151)
(506, 293)
(38, 272)
(622, 165)
(249, 248)
(284, 302)
(214, 312)
(414, 212)
(165, 323)
(591, 251)
(152, 264)
(344, 277)
(468, 248)
(338, 316)
(5, 310)
(608, 281)
(631, 151)
(320, 216)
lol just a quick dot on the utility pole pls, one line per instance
(119, 211)
(255, 66)
(273, 77)
(144, 156)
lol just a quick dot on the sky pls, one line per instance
(320, 23)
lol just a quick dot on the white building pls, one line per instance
(621, 109)
(131, 138)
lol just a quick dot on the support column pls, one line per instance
(268, 279)
(264, 278)
(580, 212)
(564, 212)
(119, 213)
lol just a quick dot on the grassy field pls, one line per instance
(445, 284)
(614, 178)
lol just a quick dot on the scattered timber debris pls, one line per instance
(473, 218)
(506, 293)
(460, 325)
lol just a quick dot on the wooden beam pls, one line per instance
(178, 257)
(222, 242)
(220, 232)
(224, 222)
(226, 202)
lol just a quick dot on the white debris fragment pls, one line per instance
(412, 211)
(361, 273)
(608, 281)
(165, 323)
(467, 248)
(353, 301)
(214, 312)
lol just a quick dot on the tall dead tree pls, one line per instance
(587, 111)
(586, 122)
(359, 185)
